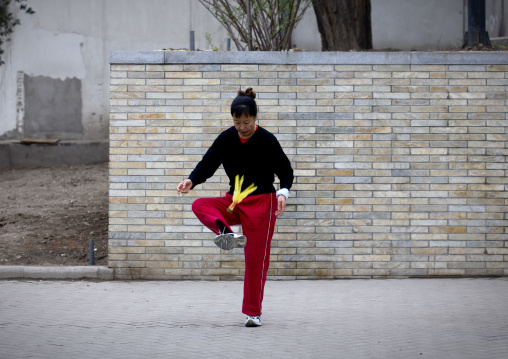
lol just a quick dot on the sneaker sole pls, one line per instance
(250, 323)
(226, 242)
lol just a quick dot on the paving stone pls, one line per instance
(390, 318)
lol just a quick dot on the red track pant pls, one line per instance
(256, 214)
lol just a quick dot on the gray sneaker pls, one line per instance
(253, 321)
(228, 241)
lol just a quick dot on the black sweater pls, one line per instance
(258, 159)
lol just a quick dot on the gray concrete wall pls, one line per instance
(69, 40)
(413, 24)
(16, 155)
(417, 25)
(497, 17)
(52, 107)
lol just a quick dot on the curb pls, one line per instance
(57, 273)
(16, 155)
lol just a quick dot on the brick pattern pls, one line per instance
(400, 170)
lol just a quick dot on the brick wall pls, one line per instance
(400, 162)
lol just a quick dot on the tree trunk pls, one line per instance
(344, 24)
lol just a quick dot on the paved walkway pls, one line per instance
(391, 318)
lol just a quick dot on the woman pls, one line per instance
(249, 151)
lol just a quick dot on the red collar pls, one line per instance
(243, 140)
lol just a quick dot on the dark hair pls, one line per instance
(244, 104)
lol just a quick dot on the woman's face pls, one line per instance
(245, 125)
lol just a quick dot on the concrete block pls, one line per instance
(56, 273)
(11, 272)
(136, 57)
(16, 155)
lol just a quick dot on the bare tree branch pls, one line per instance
(264, 25)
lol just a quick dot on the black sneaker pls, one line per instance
(228, 241)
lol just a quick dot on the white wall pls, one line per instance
(400, 24)
(497, 18)
(72, 39)
(418, 25)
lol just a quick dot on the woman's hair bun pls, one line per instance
(249, 92)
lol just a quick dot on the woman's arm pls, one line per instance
(208, 165)
(283, 168)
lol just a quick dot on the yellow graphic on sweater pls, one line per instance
(239, 195)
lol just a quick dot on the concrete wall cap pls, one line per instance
(308, 58)
(56, 273)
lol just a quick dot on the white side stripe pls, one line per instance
(266, 245)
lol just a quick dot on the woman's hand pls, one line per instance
(184, 186)
(281, 205)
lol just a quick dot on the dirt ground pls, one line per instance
(48, 215)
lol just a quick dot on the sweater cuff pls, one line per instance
(284, 192)
(192, 180)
